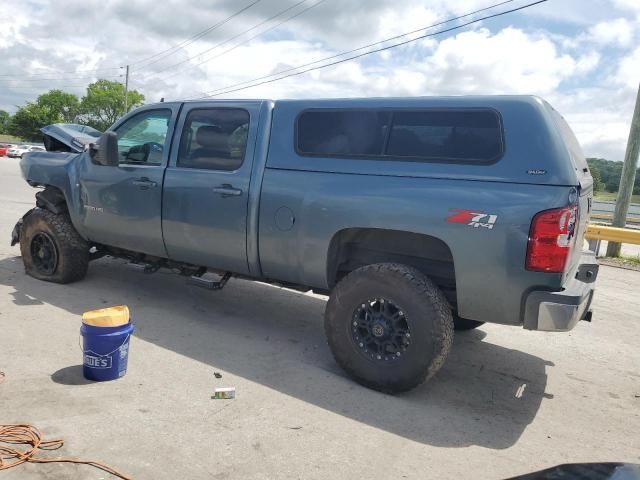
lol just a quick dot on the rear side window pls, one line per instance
(342, 132)
(442, 135)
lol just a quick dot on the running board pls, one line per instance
(144, 267)
(198, 281)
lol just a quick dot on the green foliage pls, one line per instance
(5, 118)
(104, 103)
(99, 108)
(610, 173)
(59, 104)
(598, 186)
(54, 106)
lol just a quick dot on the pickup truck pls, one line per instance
(417, 216)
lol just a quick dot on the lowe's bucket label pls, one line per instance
(93, 360)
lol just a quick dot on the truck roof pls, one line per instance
(373, 102)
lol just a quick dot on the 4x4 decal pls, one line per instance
(473, 218)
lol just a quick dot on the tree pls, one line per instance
(60, 105)
(104, 103)
(610, 173)
(54, 106)
(597, 180)
(5, 118)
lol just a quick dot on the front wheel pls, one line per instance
(389, 326)
(52, 250)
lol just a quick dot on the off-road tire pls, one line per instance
(462, 324)
(427, 314)
(72, 249)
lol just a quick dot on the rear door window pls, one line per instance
(214, 139)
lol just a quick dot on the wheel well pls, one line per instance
(356, 247)
(52, 199)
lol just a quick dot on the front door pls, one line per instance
(122, 205)
(206, 186)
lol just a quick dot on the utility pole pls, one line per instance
(126, 91)
(625, 190)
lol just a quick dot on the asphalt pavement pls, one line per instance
(600, 206)
(508, 401)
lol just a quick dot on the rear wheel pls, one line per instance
(52, 250)
(389, 326)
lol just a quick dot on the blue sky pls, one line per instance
(582, 56)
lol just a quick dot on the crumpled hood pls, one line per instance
(74, 136)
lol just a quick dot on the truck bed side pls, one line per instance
(322, 217)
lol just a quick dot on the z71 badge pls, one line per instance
(473, 218)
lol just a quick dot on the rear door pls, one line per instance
(206, 186)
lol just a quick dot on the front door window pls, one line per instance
(141, 139)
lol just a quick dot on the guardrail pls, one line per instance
(596, 233)
(613, 234)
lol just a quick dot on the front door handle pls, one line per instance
(227, 190)
(144, 183)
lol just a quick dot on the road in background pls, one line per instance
(602, 212)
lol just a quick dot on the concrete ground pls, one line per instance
(508, 401)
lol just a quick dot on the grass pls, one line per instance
(629, 262)
(9, 139)
(632, 260)
(611, 197)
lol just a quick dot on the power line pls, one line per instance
(282, 12)
(75, 72)
(39, 89)
(378, 49)
(192, 39)
(244, 42)
(184, 43)
(63, 79)
(364, 46)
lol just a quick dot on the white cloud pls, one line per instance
(614, 32)
(628, 73)
(632, 5)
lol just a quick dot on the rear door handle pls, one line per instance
(144, 183)
(227, 190)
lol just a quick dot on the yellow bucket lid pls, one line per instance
(107, 317)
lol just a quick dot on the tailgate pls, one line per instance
(584, 190)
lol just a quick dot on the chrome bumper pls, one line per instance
(560, 311)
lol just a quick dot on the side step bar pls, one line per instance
(195, 279)
(198, 281)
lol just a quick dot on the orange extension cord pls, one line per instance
(30, 435)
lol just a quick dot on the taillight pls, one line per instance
(552, 234)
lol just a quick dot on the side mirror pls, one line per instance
(105, 151)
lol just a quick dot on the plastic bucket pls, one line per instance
(105, 351)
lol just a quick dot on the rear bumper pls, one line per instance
(560, 311)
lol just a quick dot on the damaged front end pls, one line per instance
(52, 169)
(68, 137)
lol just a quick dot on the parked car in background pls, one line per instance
(36, 148)
(18, 150)
(4, 148)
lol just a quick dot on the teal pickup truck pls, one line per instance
(417, 216)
